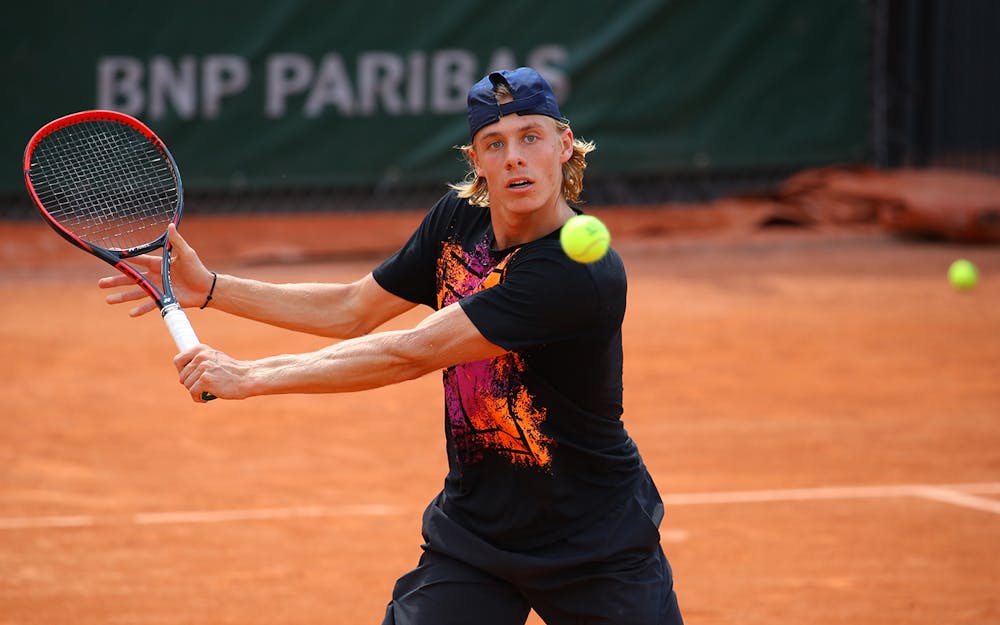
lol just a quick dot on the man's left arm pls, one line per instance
(445, 338)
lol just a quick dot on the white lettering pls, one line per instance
(119, 84)
(452, 73)
(179, 86)
(287, 74)
(380, 77)
(374, 83)
(221, 75)
(547, 59)
(416, 85)
(332, 87)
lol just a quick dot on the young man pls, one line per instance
(547, 503)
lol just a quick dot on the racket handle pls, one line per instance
(180, 328)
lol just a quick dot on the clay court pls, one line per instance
(820, 409)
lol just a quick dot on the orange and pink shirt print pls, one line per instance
(489, 409)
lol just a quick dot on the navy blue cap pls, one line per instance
(532, 96)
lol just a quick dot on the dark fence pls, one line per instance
(936, 84)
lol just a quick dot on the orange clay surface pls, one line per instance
(820, 409)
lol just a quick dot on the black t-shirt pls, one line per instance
(536, 446)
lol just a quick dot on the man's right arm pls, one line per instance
(331, 310)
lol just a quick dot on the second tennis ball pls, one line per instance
(585, 238)
(963, 275)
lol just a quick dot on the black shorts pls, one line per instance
(611, 573)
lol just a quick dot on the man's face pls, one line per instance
(521, 157)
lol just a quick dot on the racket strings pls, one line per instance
(106, 183)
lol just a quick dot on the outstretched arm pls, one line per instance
(445, 338)
(333, 310)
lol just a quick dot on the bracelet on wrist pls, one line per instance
(211, 290)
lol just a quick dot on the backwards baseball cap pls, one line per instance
(532, 96)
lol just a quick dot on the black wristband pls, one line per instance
(215, 277)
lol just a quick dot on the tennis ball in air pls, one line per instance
(585, 238)
(963, 275)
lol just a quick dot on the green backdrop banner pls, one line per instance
(317, 93)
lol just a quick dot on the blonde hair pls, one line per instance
(474, 187)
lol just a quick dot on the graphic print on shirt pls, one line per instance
(489, 408)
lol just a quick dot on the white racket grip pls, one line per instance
(179, 326)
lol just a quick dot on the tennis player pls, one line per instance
(547, 503)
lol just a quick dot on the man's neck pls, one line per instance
(512, 229)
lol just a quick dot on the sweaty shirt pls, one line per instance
(536, 446)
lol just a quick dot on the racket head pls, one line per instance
(105, 182)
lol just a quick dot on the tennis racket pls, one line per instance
(106, 183)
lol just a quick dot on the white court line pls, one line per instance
(959, 498)
(953, 494)
(262, 514)
(988, 488)
(788, 494)
(47, 521)
(200, 516)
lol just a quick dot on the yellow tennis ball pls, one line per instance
(963, 275)
(585, 238)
